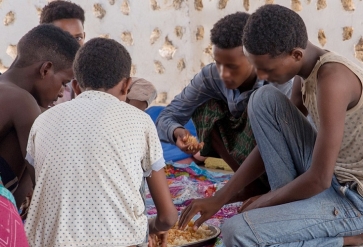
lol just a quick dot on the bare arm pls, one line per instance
(337, 92)
(23, 118)
(167, 214)
(296, 95)
(250, 169)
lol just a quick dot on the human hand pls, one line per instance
(248, 204)
(207, 207)
(158, 239)
(186, 142)
(259, 201)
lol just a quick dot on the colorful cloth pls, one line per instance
(187, 182)
(236, 133)
(11, 227)
(6, 193)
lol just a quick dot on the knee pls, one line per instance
(266, 95)
(237, 233)
(266, 98)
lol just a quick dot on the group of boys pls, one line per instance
(90, 156)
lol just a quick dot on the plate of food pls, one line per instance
(206, 235)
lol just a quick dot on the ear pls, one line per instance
(45, 69)
(76, 88)
(297, 54)
(125, 85)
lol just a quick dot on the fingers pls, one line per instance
(247, 203)
(199, 222)
(164, 239)
(186, 216)
(151, 241)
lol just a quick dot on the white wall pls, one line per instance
(146, 15)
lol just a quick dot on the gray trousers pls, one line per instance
(286, 142)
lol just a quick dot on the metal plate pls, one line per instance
(207, 241)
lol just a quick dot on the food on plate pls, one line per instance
(178, 237)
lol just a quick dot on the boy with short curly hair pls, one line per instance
(91, 155)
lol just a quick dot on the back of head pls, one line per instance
(274, 30)
(46, 42)
(60, 9)
(227, 32)
(101, 64)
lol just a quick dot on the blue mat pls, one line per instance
(171, 152)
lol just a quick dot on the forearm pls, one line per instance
(250, 170)
(303, 187)
(166, 126)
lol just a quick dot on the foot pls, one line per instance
(353, 240)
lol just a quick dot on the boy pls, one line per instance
(90, 155)
(216, 98)
(70, 17)
(42, 67)
(315, 177)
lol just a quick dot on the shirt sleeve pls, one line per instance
(153, 159)
(180, 110)
(30, 146)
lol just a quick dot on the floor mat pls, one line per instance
(187, 182)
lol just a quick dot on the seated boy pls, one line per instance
(91, 155)
(70, 17)
(217, 99)
(42, 67)
(316, 177)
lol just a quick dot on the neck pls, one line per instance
(249, 82)
(312, 55)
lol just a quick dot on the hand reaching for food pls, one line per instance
(186, 142)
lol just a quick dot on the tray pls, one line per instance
(207, 241)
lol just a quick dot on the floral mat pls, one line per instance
(187, 182)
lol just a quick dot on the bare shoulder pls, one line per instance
(15, 100)
(335, 72)
(338, 80)
(15, 96)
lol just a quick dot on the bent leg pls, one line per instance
(284, 136)
(322, 220)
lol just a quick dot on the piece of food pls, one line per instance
(178, 237)
(193, 143)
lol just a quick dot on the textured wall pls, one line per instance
(169, 39)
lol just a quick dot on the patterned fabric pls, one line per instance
(6, 193)
(12, 232)
(349, 165)
(90, 156)
(236, 133)
(188, 182)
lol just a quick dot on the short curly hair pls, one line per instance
(101, 63)
(227, 32)
(274, 30)
(47, 42)
(60, 9)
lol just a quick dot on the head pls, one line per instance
(95, 71)
(47, 52)
(67, 16)
(275, 39)
(226, 38)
